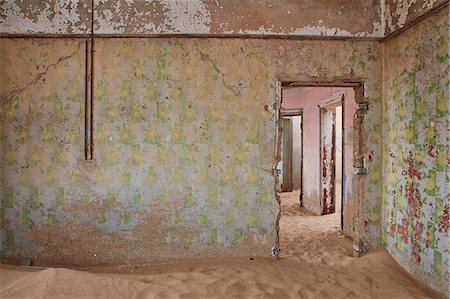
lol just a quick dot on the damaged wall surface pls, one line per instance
(342, 18)
(49, 17)
(185, 128)
(184, 145)
(399, 13)
(416, 150)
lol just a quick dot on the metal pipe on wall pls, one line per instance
(89, 94)
(91, 135)
(86, 103)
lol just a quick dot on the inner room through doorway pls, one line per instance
(316, 139)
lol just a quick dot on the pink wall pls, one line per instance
(308, 99)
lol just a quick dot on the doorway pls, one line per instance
(332, 160)
(290, 165)
(325, 117)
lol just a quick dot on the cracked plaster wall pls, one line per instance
(342, 18)
(184, 145)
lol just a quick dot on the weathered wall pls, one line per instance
(184, 132)
(416, 150)
(342, 18)
(308, 99)
(287, 17)
(400, 13)
(45, 17)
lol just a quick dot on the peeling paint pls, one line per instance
(328, 131)
(311, 31)
(165, 17)
(49, 17)
(187, 16)
(397, 13)
(368, 18)
(321, 18)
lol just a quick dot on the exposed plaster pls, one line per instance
(330, 31)
(188, 16)
(396, 13)
(171, 17)
(60, 18)
(298, 17)
(383, 17)
(401, 11)
(285, 18)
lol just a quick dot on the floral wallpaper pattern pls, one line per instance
(416, 151)
(184, 145)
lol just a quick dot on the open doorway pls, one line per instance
(331, 141)
(290, 164)
(324, 146)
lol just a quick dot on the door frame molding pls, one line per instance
(322, 109)
(333, 101)
(360, 140)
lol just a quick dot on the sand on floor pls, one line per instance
(316, 262)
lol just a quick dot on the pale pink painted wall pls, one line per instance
(308, 99)
(296, 153)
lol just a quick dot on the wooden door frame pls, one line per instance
(287, 154)
(334, 101)
(322, 110)
(358, 231)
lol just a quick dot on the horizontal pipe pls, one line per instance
(289, 82)
(189, 35)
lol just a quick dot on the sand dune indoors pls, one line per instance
(316, 262)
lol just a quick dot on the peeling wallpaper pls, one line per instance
(343, 18)
(416, 151)
(184, 145)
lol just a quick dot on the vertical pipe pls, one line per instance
(86, 103)
(91, 135)
(92, 86)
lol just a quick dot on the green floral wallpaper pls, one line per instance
(416, 151)
(184, 145)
